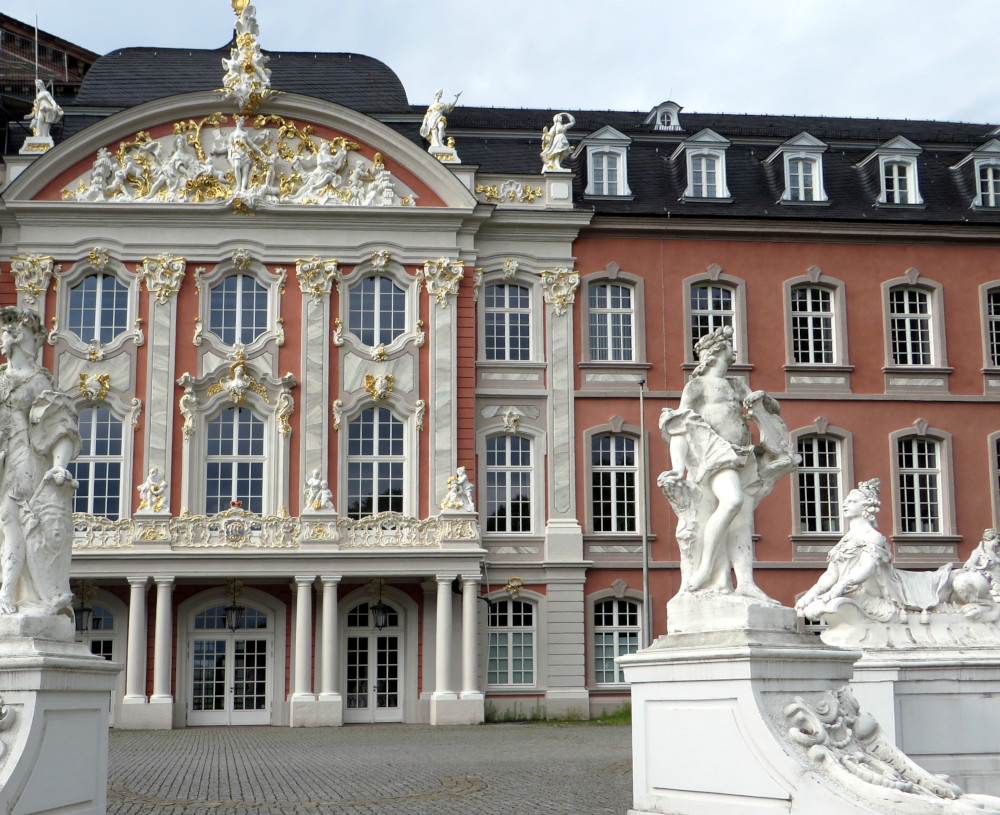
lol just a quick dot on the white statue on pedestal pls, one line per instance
(435, 121)
(45, 112)
(152, 491)
(861, 586)
(717, 475)
(555, 143)
(324, 498)
(459, 495)
(38, 439)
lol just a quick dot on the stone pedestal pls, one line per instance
(454, 708)
(36, 145)
(316, 712)
(53, 725)
(941, 707)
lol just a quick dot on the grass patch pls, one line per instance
(514, 713)
(621, 715)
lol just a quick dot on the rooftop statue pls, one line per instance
(866, 600)
(718, 475)
(44, 112)
(435, 120)
(38, 439)
(555, 143)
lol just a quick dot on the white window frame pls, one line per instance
(617, 428)
(235, 458)
(993, 450)
(606, 142)
(84, 269)
(616, 630)
(986, 157)
(945, 478)
(989, 198)
(803, 537)
(818, 376)
(715, 277)
(991, 326)
(509, 630)
(528, 312)
(273, 282)
(705, 144)
(403, 459)
(931, 377)
(397, 274)
(625, 335)
(665, 116)
(801, 148)
(813, 479)
(898, 151)
(124, 502)
(534, 475)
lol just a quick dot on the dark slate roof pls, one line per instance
(131, 76)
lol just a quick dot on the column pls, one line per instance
(303, 638)
(442, 662)
(331, 641)
(135, 658)
(470, 639)
(163, 642)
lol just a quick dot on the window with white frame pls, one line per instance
(895, 163)
(604, 169)
(613, 476)
(511, 636)
(996, 472)
(508, 483)
(910, 326)
(713, 305)
(507, 318)
(812, 325)
(376, 310)
(704, 176)
(607, 162)
(989, 185)
(820, 484)
(238, 309)
(610, 310)
(99, 636)
(993, 326)
(234, 461)
(801, 179)
(375, 463)
(919, 474)
(616, 632)
(98, 308)
(896, 182)
(98, 468)
(802, 160)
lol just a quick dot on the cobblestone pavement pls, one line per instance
(504, 769)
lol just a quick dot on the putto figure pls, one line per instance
(718, 475)
(38, 439)
(459, 495)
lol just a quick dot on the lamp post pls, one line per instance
(647, 617)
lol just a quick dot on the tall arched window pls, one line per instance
(375, 463)
(713, 305)
(610, 313)
(511, 633)
(98, 468)
(377, 310)
(820, 484)
(616, 632)
(613, 475)
(507, 312)
(508, 484)
(98, 308)
(238, 310)
(234, 461)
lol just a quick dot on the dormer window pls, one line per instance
(897, 172)
(705, 156)
(665, 116)
(985, 166)
(607, 162)
(802, 159)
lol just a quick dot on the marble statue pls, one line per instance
(459, 495)
(246, 81)
(152, 491)
(718, 475)
(323, 179)
(38, 439)
(862, 587)
(177, 169)
(324, 497)
(435, 119)
(45, 112)
(555, 143)
(313, 485)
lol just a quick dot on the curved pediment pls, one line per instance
(191, 151)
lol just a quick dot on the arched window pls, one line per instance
(508, 484)
(616, 632)
(98, 468)
(507, 312)
(375, 463)
(98, 308)
(801, 179)
(234, 461)
(919, 483)
(713, 305)
(605, 169)
(813, 336)
(820, 484)
(989, 185)
(377, 310)
(610, 309)
(704, 176)
(613, 475)
(238, 309)
(511, 633)
(911, 326)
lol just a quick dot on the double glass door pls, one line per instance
(373, 683)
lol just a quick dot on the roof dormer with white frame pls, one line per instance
(802, 159)
(985, 163)
(665, 116)
(607, 162)
(899, 183)
(705, 156)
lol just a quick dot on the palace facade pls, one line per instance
(287, 323)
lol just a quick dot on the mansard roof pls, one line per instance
(131, 76)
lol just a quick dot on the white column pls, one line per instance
(163, 642)
(331, 640)
(443, 637)
(470, 639)
(135, 658)
(303, 638)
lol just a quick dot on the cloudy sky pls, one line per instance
(914, 59)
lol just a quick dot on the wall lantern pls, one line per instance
(380, 611)
(83, 611)
(234, 611)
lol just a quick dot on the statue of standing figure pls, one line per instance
(555, 143)
(45, 112)
(435, 119)
(39, 437)
(718, 475)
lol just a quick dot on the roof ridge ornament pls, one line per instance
(246, 82)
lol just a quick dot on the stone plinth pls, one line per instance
(941, 706)
(53, 726)
(326, 710)
(456, 708)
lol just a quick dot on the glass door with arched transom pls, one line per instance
(374, 678)
(230, 671)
